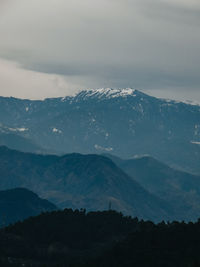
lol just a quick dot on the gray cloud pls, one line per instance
(147, 44)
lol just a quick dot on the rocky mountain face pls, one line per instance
(93, 182)
(125, 122)
(19, 203)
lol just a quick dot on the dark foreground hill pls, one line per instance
(180, 189)
(80, 181)
(102, 239)
(19, 204)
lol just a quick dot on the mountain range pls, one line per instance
(124, 122)
(93, 182)
(180, 189)
(142, 187)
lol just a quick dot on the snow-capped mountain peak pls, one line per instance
(106, 93)
(125, 122)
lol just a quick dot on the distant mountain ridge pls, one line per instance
(180, 189)
(142, 187)
(125, 122)
(15, 141)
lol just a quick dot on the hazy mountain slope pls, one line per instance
(20, 203)
(18, 142)
(80, 181)
(181, 189)
(125, 122)
(16, 138)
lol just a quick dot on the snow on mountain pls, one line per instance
(22, 129)
(109, 92)
(187, 102)
(101, 93)
(55, 130)
(195, 142)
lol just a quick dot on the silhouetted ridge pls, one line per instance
(20, 203)
(101, 239)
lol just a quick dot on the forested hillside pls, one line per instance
(103, 239)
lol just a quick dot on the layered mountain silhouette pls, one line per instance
(142, 187)
(93, 182)
(19, 203)
(124, 122)
(179, 188)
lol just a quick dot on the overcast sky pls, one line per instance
(56, 47)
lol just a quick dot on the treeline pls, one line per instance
(75, 238)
